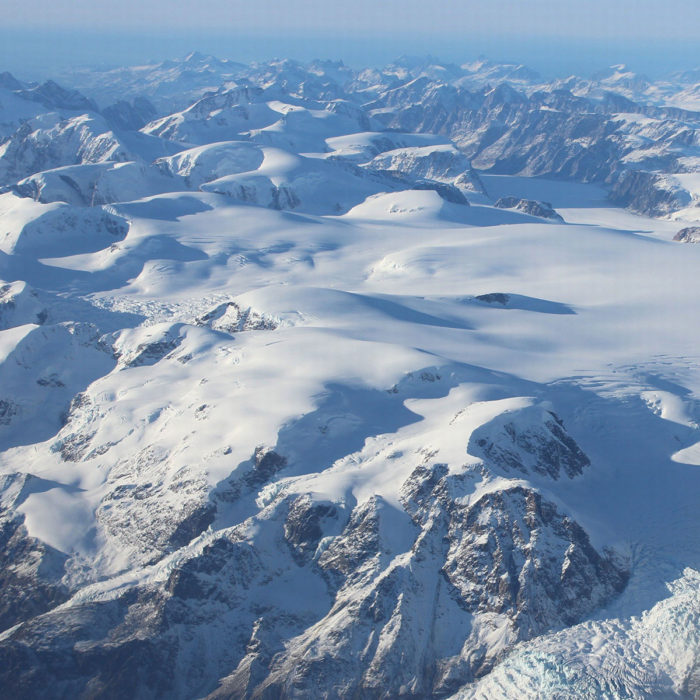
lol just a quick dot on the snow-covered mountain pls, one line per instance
(295, 401)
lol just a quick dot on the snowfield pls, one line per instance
(290, 408)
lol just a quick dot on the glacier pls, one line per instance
(337, 383)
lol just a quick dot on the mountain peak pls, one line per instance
(9, 82)
(196, 57)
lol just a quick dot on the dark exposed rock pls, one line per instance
(508, 553)
(30, 571)
(449, 193)
(130, 115)
(266, 463)
(358, 542)
(514, 553)
(552, 133)
(74, 446)
(532, 207)
(229, 317)
(53, 96)
(8, 409)
(494, 298)
(150, 353)
(193, 525)
(691, 234)
(533, 440)
(284, 197)
(51, 381)
(159, 345)
(235, 562)
(303, 528)
(115, 658)
(647, 193)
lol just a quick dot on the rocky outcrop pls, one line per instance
(514, 553)
(530, 441)
(543, 210)
(157, 344)
(449, 193)
(691, 234)
(229, 317)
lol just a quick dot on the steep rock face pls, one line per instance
(648, 193)
(245, 526)
(441, 163)
(53, 96)
(502, 117)
(515, 553)
(555, 133)
(31, 572)
(148, 346)
(115, 656)
(509, 563)
(512, 559)
(91, 185)
(449, 193)
(304, 527)
(130, 116)
(304, 184)
(38, 146)
(410, 600)
(530, 441)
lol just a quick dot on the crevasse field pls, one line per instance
(289, 407)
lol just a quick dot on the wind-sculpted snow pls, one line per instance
(210, 162)
(66, 230)
(294, 402)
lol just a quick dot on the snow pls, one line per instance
(266, 292)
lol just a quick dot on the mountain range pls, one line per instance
(338, 383)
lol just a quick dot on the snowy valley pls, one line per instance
(323, 382)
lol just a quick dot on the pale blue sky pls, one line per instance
(552, 34)
(594, 18)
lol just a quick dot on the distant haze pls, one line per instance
(553, 36)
